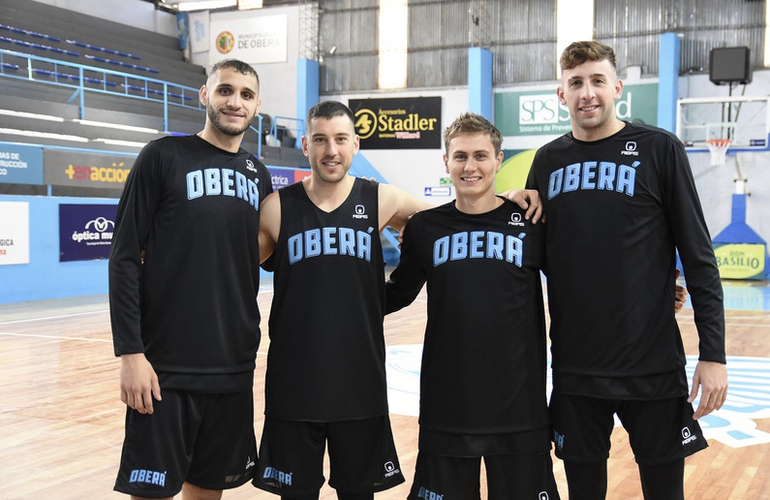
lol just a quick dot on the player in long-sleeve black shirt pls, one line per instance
(620, 200)
(185, 322)
(483, 373)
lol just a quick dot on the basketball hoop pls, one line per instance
(718, 149)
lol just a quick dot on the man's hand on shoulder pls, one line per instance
(529, 200)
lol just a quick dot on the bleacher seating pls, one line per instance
(48, 31)
(126, 62)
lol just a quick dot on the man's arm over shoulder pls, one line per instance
(408, 278)
(397, 206)
(269, 225)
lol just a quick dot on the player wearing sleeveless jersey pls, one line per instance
(482, 380)
(621, 200)
(325, 377)
(186, 320)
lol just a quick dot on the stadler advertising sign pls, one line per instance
(401, 123)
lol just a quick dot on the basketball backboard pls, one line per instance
(745, 121)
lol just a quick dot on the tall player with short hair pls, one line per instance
(186, 319)
(483, 374)
(621, 201)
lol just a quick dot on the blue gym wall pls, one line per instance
(45, 277)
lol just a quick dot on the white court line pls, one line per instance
(266, 289)
(43, 318)
(54, 337)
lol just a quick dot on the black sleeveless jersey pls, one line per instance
(618, 210)
(326, 360)
(484, 357)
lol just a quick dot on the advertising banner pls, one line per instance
(14, 232)
(540, 112)
(255, 40)
(740, 260)
(285, 176)
(399, 123)
(85, 231)
(90, 170)
(21, 164)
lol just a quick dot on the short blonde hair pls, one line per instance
(471, 123)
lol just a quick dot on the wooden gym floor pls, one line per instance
(61, 420)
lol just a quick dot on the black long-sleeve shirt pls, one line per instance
(191, 307)
(617, 210)
(484, 358)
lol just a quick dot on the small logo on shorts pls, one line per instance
(147, 476)
(543, 495)
(688, 436)
(390, 469)
(558, 440)
(277, 475)
(429, 495)
(249, 463)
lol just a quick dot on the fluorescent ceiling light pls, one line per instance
(118, 126)
(574, 23)
(205, 5)
(249, 4)
(393, 41)
(34, 116)
(116, 142)
(43, 135)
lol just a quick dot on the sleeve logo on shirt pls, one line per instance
(250, 166)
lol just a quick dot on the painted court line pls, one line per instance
(53, 337)
(44, 318)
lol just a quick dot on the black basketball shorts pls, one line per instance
(361, 452)
(660, 431)
(508, 476)
(204, 439)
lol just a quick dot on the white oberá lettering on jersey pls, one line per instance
(222, 182)
(479, 245)
(590, 175)
(330, 241)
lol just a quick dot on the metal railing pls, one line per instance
(85, 79)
